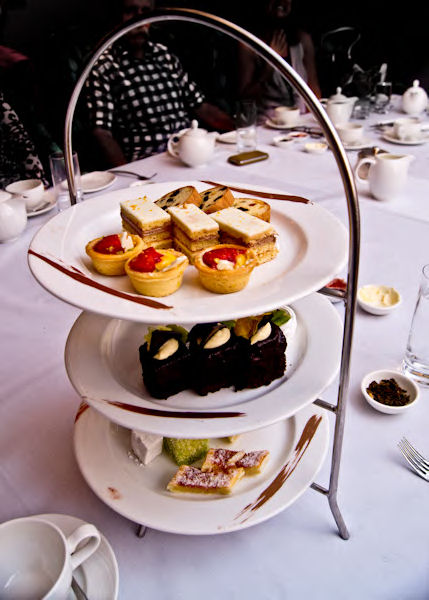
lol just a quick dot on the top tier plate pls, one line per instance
(312, 242)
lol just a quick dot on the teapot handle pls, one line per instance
(172, 144)
(368, 160)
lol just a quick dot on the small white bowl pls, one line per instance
(404, 382)
(316, 147)
(283, 141)
(375, 308)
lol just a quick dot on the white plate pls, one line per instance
(274, 125)
(96, 181)
(365, 143)
(102, 362)
(98, 576)
(229, 137)
(49, 201)
(389, 136)
(313, 248)
(297, 449)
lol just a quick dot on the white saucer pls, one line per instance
(365, 143)
(389, 136)
(98, 576)
(230, 137)
(49, 201)
(94, 181)
(274, 125)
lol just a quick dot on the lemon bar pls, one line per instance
(223, 459)
(190, 479)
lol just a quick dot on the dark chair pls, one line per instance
(336, 57)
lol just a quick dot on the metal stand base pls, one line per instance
(141, 531)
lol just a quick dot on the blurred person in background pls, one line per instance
(138, 95)
(277, 27)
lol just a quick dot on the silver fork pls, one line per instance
(416, 460)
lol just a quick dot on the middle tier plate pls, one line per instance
(102, 362)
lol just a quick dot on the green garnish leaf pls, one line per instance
(229, 324)
(280, 317)
(181, 330)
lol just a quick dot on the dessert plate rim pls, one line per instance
(57, 256)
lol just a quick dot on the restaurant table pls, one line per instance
(298, 553)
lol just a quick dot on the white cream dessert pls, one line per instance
(144, 218)
(146, 446)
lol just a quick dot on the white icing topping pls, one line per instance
(262, 334)
(224, 265)
(218, 339)
(167, 349)
(126, 241)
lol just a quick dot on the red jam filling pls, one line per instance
(210, 258)
(145, 261)
(110, 244)
(337, 284)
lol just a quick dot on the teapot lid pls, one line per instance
(194, 130)
(338, 96)
(415, 88)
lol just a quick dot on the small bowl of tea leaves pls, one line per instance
(389, 392)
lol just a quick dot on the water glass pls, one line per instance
(383, 94)
(416, 360)
(245, 122)
(59, 179)
(361, 108)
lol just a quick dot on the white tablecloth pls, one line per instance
(297, 553)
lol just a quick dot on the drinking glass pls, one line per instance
(59, 179)
(416, 360)
(383, 94)
(245, 122)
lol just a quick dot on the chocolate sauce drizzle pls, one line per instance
(82, 278)
(82, 408)
(302, 445)
(269, 195)
(154, 412)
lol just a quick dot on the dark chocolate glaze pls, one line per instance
(79, 276)
(268, 195)
(302, 445)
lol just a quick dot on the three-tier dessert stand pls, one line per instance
(349, 296)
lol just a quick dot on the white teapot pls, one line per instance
(193, 146)
(339, 107)
(13, 216)
(415, 99)
(387, 174)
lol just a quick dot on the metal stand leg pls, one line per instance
(141, 531)
(342, 528)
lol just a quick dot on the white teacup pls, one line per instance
(286, 115)
(351, 134)
(37, 560)
(407, 129)
(31, 190)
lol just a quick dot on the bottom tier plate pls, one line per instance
(297, 446)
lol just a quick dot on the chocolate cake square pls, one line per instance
(263, 361)
(164, 377)
(212, 368)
